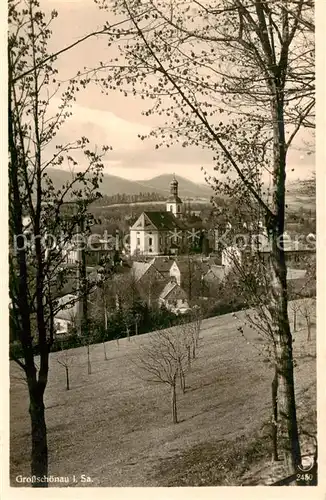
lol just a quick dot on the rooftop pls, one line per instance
(165, 221)
(162, 264)
(168, 289)
(140, 268)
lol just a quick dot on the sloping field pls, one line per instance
(116, 428)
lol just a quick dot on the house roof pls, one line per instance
(168, 289)
(216, 272)
(66, 314)
(192, 265)
(184, 265)
(140, 268)
(164, 221)
(68, 305)
(162, 264)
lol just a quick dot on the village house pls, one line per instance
(67, 315)
(215, 274)
(297, 257)
(174, 298)
(98, 249)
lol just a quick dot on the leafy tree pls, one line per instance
(212, 69)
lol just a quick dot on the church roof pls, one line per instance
(164, 221)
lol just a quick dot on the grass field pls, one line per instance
(116, 428)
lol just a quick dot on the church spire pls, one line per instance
(173, 202)
(174, 186)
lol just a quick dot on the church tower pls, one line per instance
(173, 203)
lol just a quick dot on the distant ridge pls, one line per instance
(112, 184)
(297, 191)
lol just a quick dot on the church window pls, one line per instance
(171, 208)
(138, 241)
(150, 241)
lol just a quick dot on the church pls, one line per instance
(165, 232)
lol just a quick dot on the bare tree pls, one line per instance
(186, 334)
(295, 308)
(87, 342)
(38, 226)
(197, 319)
(65, 359)
(308, 310)
(305, 290)
(241, 62)
(161, 360)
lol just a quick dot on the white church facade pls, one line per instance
(162, 233)
(168, 232)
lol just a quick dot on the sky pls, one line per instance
(116, 120)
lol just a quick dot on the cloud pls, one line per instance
(101, 128)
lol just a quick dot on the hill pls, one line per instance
(301, 194)
(115, 426)
(187, 188)
(112, 184)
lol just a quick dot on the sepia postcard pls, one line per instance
(165, 191)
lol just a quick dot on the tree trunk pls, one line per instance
(289, 436)
(189, 356)
(174, 401)
(182, 379)
(104, 349)
(89, 366)
(309, 330)
(67, 378)
(39, 457)
(295, 320)
(194, 350)
(274, 416)
(278, 304)
(105, 318)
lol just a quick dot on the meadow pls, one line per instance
(115, 428)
